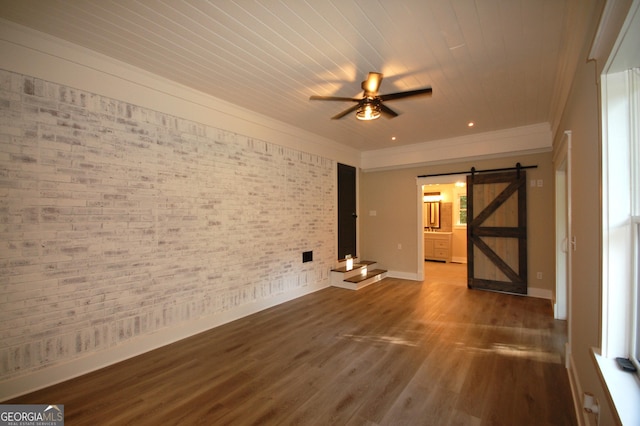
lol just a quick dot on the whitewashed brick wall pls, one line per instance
(117, 221)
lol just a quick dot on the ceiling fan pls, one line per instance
(370, 106)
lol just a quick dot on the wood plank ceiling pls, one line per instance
(493, 62)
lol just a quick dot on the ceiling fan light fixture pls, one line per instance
(371, 105)
(368, 111)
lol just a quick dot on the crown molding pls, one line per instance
(500, 143)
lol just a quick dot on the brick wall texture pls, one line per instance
(117, 221)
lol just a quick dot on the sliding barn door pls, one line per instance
(497, 231)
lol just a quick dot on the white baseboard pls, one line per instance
(458, 259)
(540, 293)
(403, 275)
(30, 382)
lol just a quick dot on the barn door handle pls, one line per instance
(355, 216)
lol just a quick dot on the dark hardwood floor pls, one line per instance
(395, 353)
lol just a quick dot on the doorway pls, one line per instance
(449, 188)
(562, 165)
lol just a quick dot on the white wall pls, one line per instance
(131, 221)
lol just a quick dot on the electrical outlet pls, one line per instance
(590, 403)
(399, 246)
(539, 275)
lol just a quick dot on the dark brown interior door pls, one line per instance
(346, 211)
(497, 231)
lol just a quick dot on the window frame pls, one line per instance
(617, 237)
(458, 193)
(619, 277)
(634, 149)
(634, 349)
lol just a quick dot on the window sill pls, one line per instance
(623, 388)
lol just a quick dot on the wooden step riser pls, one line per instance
(359, 274)
(357, 286)
(342, 263)
(348, 274)
(362, 277)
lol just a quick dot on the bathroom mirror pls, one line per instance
(431, 210)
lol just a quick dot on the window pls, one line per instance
(635, 341)
(620, 241)
(460, 204)
(462, 210)
(621, 217)
(620, 85)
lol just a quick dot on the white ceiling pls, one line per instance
(494, 62)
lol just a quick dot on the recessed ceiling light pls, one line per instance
(393, 138)
(471, 124)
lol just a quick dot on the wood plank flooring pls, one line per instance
(397, 352)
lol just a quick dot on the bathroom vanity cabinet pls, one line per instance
(437, 246)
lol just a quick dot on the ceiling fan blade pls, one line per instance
(388, 111)
(345, 112)
(372, 84)
(392, 96)
(332, 98)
